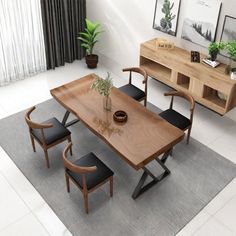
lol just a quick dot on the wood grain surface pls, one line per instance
(142, 138)
(174, 68)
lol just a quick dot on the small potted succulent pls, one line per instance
(89, 38)
(214, 48)
(104, 86)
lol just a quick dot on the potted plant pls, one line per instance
(214, 48)
(231, 51)
(89, 39)
(104, 86)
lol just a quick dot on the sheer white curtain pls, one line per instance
(22, 51)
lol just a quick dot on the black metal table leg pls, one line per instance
(138, 188)
(166, 155)
(141, 188)
(65, 118)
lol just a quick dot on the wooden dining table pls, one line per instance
(143, 138)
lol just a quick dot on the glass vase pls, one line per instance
(107, 103)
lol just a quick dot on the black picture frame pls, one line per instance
(158, 23)
(231, 35)
(195, 56)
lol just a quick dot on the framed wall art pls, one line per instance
(166, 16)
(228, 32)
(201, 20)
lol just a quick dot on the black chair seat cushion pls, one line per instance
(94, 178)
(175, 118)
(53, 134)
(132, 91)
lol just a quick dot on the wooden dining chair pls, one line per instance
(177, 119)
(87, 173)
(48, 133)
(132, 90)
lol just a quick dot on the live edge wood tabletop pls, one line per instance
(138, 141)
(174, 68)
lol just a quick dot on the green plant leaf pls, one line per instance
(84, 35)
(103, 86)
(84, 40)
(90, 35)
(96, 34)
(88, 32)
(89, 25)
(85, 45)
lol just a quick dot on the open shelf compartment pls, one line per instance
(215, 96)
(155, 69)
(183, 80)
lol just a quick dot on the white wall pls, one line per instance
(127, 23)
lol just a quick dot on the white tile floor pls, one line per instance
(23, 210)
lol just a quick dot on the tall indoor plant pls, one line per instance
(104, 86)
(89, 38)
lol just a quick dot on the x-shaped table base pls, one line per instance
(65, 118)
(141, 188)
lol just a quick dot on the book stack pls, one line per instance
(211, 63)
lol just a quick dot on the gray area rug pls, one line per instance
(197, 175)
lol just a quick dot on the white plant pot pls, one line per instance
(233, 75)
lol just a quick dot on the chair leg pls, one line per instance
(67, 183)
(86, 202)
(188, 135)
(69, 140)
(46, 157)
(111, 186)
(145, 101)
(33, 143)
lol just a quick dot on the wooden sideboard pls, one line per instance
(174, 68)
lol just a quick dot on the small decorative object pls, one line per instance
(120, 116)
(214, 48)
(164, 44)
(104, 86)
(166, 16)
(233, 74)
(211, 63)
(89, 39)
(200, 23)
(222, 96)
(229, 31)
(195, 56)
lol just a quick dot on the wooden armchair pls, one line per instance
(132, 90)
(87, 173)
(177, 119)
(48, 133)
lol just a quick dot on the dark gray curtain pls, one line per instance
(62, 21)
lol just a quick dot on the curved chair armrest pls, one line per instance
(183, 95)
(32, 124)
(75, 168)
(138, 70)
